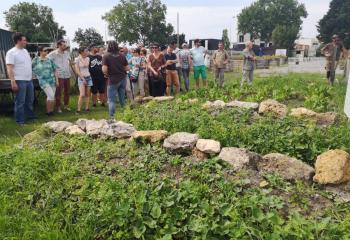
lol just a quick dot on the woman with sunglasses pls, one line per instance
(156, 64)
(45, 70)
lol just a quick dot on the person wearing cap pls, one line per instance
(61, 58)
(198, 53)
(46, 72)
(98, 79)
(333, 52)
(185, 65)
(220, 59)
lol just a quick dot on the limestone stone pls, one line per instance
(180, 142)
(199, 154)
(208, 146)
(74, 130)
(332, 167)
(163, 98)
(81, 123)
(58, 126)
(246, 105)
(272, 106)
(151, 136)
(287, 167)
(218, 104)
(240, 158)
(94, 127)
(117, 130)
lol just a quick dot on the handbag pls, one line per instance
(134, 78)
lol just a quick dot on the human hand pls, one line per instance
(14, 86)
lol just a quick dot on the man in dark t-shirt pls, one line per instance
(115, 66)
(172, 76)
(98, 79)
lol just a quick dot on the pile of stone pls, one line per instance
(277, 109)
(331, 167)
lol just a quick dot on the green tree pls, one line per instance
(262, 17)
(284, 36)
(173, 38)
(336, 21)
(35, 21)
(225, 39)
(139, 21)
(88, 37)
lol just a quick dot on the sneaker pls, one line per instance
(59, 110)
(50, 114)
(66, 108)
(94, 105)
(87, 110)
(77, 112)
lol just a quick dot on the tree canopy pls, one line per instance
(139, 21)
(264, 16)
(336, 21)
(225, 39)
(173, 38)
(35, 21)
(87, 37)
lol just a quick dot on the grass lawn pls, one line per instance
(78, 187)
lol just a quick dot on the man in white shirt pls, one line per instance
(19, 68)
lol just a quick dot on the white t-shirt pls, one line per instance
(20, 59)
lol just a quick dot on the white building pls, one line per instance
(307, 46)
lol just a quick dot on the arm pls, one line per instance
(77, 70)
(214, 58)
(150, 67)
(11, 74)
(105, 70)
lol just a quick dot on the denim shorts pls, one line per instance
(88, 81)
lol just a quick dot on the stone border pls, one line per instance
(332, 167)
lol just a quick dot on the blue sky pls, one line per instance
(198, 18)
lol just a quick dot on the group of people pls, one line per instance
(105, 75)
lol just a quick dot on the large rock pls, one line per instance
(272, 106)
(151, 136)
(218, 104)
(302, 113)
(240, 158)
(74, 130)
(117, 130)
(199, 155)
(287, 167)
(37, 138)
(332, 167)
(208, 146)
(324, 119)
(163, 98)
(81, 123)
(58, 126)
(94, 127)
(180, 142)
(246, 105)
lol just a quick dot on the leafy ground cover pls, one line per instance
(83, 188)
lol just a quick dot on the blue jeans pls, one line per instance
(112, 91)
(186, 76)
(24, 101)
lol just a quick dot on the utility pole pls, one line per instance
(178, 32)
